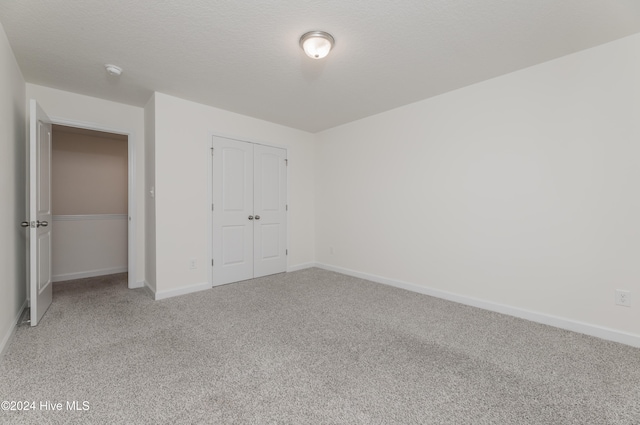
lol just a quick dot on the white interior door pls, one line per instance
(232, 211)
(270, 208)
(249, 210)
(40, 287)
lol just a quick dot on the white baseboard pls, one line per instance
(302, 266)
(8, 337)
(88, 273)
(161, 295)
(138, 285)
(534, 316)
(147, 287)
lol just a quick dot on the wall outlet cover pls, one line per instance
(623, 297)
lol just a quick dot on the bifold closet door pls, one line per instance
(249, 210)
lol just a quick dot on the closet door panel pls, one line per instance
(232, 211)
(270, 205)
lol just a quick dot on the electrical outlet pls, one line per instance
(193, 264)
(623, 297)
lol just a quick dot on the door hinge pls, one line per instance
(212, 262)
(212, 207)
(286, 162)
(286, 207)
(286, 252)
(212, 149)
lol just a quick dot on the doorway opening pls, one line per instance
(91, 193)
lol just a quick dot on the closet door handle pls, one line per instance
(250, 217)
(43, 223)
(257, 217)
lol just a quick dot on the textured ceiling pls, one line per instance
(243, 56)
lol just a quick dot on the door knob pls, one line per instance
(24, 224)
(250, 217)
(257, 217)
(43, 223)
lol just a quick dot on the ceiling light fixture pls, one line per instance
(316, 44)
(113, 70)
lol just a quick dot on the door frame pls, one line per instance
(210, 191)
(131, 188)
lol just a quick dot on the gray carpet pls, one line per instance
(310, 347)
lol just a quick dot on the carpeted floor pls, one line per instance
(309, 347)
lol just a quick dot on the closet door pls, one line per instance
(270, 208)
(249, 210)
(232, 211)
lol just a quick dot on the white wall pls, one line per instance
(182, 173)
(149, 184)
(108, 115)
(522, 190)
(88, 245)
(12, 193)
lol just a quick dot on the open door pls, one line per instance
(39, 177)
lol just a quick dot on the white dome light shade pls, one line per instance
(316, 44)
